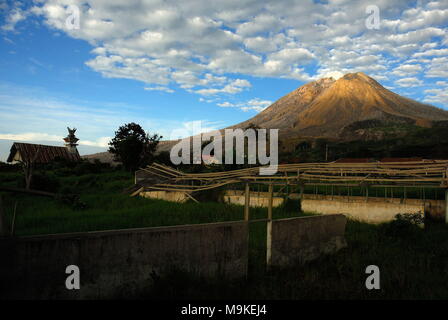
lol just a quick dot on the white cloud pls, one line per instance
(160, 88)
(22, 108)
(437, 95)
(260, 44)
(255, 104)
(409, 82)
(261, 23)
(203, 46)
(15, 16)
(433, 52)
(437, 68)
(31, 136)
(235, 86)
(102, 142)
(407, 69)
(37, 136)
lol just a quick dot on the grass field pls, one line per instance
(413, 261)
(105, 207)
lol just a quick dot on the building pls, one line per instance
(42, 154)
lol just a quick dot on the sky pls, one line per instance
(174, 64)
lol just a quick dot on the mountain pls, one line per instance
(104, 157)
(328, 108)
(354, 107)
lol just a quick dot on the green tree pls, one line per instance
(133, 147)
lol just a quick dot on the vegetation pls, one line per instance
(388, 140)
(413, 261)
(133, 147)
(413, 265)
(102, 204)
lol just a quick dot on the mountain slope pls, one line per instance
(338, 110)
(278, 115)
(323, 108)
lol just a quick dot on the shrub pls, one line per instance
(403, 225)
(291, 205)
(42, 182)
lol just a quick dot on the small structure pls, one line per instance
(42, 154)
(71, 142)
(364, 175)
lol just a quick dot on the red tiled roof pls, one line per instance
(45, 154)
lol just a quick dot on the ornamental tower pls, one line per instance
(71, 141)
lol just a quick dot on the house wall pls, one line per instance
(17, 157)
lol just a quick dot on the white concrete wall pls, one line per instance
(371, 211)
(165, 195)
(257, 199)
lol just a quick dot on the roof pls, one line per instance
(45, 154)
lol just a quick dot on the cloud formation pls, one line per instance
(208, 47)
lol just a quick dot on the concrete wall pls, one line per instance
(257, 199)
(298, 240)
(375, 210)
(118, 263)
(166, 195)
(372, 210)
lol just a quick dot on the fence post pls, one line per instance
(269, 228)
(2, 219)
(13, 225)
(247, 202)
(446, 206)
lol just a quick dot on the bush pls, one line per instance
(5, 167)
(86, 167)
(211, 195)
(291, 205)
(403, 225)
(43, 182)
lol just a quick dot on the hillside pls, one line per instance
(323, 108)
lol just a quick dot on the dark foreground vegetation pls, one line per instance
(413, 261)
(377, 140)
(413, 264)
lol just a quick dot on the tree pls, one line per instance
(28, 168)
(133, 146)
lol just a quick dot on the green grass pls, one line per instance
(119, 212)
(106, 208)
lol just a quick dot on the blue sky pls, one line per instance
(168, 64)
